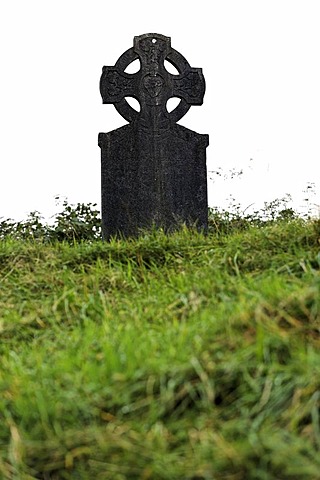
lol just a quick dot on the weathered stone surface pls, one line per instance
(153, 170)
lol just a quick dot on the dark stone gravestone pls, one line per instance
(153, 170)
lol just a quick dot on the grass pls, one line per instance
(165, 357)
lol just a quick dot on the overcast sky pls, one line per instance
(261, 109)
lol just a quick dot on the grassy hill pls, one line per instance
(165, 357)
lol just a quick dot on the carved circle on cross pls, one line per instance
(152, 84)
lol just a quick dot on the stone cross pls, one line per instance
(153, 170)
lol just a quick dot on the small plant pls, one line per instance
(7, 228)
(77, 222)
(30, 229)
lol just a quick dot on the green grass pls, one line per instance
(165, 357)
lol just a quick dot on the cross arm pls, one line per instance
(190, 86)
(115, 85)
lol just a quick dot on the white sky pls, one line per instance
(260, 58)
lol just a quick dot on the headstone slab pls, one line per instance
(153, 171)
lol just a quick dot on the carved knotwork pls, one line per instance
(116, 85)
(190, 86)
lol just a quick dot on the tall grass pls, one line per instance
(177, 356)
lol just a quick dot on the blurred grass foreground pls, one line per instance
(178, 356)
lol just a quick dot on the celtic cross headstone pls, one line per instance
(153, 170)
